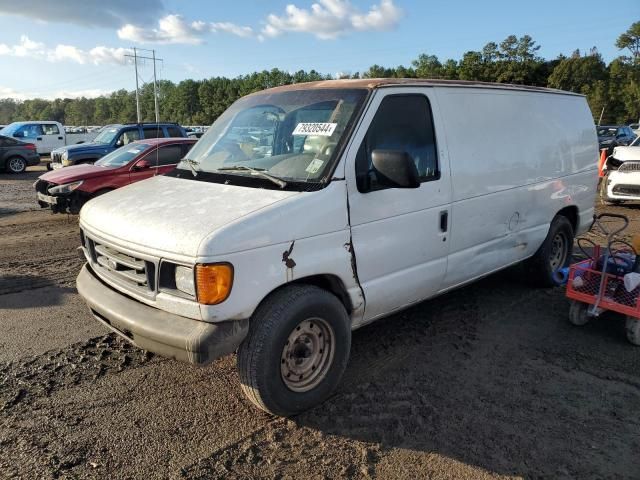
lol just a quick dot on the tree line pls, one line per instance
(612, 90)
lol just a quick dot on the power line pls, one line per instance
(135, 57)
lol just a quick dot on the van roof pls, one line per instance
(373, 83)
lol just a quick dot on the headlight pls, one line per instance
(65, 155)
(66, 188)
(213, 282)
(184, 280)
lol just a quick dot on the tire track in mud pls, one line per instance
(19, 276)
(23, 381)
(379, 401)
(283, 450)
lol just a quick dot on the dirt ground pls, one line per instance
(490, 381)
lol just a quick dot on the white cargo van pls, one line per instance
(309, 210)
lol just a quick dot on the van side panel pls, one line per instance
(516, 159)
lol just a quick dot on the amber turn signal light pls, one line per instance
(213, 282)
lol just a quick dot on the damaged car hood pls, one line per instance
(172, 215)
(625, 154)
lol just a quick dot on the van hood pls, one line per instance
(75, 173)
(626, 153)
(172, 215)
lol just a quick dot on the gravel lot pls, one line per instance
(490, 381)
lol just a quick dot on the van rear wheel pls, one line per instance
(296, 351)
(553, 254)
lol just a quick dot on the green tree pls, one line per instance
(631, 40)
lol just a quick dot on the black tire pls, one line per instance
(49, 167)
(540, 268)
(16, 165)
(578, 313)
(632, 327)
(261, 357)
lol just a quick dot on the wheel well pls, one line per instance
(571, 214)
(330, 283)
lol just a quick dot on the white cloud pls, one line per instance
(232, 28)
(171, 29)
(67, 52)
(7, 92)
(381, 17)
(175, 29)
(329, 19)
(28, 48)
(107, 55)
(25, 48)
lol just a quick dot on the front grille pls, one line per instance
(630, 190)
(56, 157)
(629, 167)
(129, 271)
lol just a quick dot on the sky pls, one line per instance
(70, 48)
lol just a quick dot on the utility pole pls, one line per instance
(135, 57)
(135, 61)
(155, 88)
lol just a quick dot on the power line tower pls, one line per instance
(153, 58)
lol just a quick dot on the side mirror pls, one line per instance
(119, 143)
(142, 165)
(395, 169)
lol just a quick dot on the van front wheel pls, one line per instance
(553, 254)
(296, 350)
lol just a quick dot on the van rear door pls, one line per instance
(400, 235)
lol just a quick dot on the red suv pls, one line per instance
(67, 189)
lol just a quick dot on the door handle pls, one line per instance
(39, 138)
(59, 138)
(444, 220)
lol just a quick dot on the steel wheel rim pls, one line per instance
(16, 165)
(307, 355)
(559, 252)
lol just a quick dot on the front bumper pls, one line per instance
(157, 331)
(623, 185)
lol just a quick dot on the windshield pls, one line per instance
(607, 131)
(10, 129)
(123, 155)
(107, 135)
(293, 135)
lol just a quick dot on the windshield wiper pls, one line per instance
(258, 171)
(191, 164)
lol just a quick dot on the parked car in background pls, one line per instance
(621, 181)
(195, 134)
(66, 190)
(110, 138)
(610, 136)
(635, 127)
(45, 135)
(16, 156)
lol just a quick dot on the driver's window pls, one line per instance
(30, 131)
(402, 123)
(127, 137)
